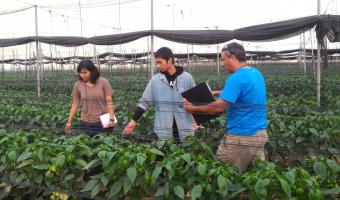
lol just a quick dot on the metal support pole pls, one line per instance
(152, 58)
(81, 25)
(37, 51)
(3, 65)
(318, 68)
(51, 44)
(217, 57)
(304, 54)
(173, 26)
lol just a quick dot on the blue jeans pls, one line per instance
(93, 129)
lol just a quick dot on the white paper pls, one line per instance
(105, 120)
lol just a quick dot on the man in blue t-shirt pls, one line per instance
(244, 98)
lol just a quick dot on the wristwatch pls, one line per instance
(112, 120)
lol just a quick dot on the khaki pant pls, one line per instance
(241, 150)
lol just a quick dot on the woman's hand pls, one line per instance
(113, 122)
(68, 127)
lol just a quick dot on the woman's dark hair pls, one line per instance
(89, 65)
(165, 53)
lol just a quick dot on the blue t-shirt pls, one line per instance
(245, 91)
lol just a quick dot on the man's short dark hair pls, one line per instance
(89, 65)
(237, 50)
(165, 53)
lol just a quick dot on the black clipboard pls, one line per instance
(201, 95)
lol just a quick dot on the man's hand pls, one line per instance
(195, 126)
(216, 93)
(188, 106)
(68, 128)
(129, 127)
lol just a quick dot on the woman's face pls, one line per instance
(85, 75)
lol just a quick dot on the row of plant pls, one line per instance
(296, 91)
(111, 167)
(285, 89)
(295, 130)
(297, 127)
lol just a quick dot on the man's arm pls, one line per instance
(211, 108)
(144, 104)
(147, 99)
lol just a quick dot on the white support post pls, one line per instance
(318, 68)
(37, 52)
(152, 58)
(3, 64)
(304, 54)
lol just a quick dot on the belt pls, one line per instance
(224, 139)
